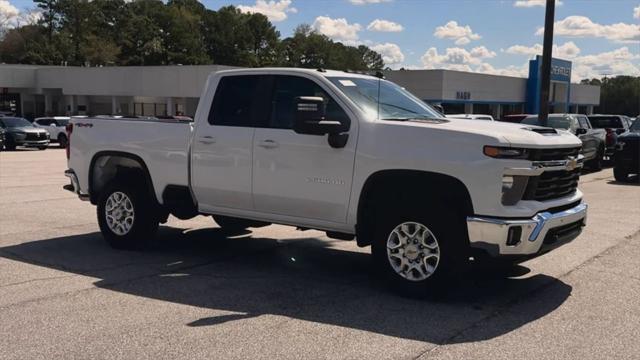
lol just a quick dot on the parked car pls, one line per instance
(614, 125)
(593, 140)
(514, 118)
(1, 139)
(350, 154)
(56, 127)
(20, 132)
(470, 116)
(627, 158)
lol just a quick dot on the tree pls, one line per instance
(50, 10)
(75, 16)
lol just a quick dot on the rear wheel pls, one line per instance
(62, 140)
(42, 147)
(620, 175)
(236, 225)
(419, 248)
(126, 216)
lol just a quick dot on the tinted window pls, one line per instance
(287, 89)
(62, 122)
(239, 101)
(584, 123)
(44, 122)
(601, 122)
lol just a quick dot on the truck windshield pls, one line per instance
(553, 122)
(384, 99)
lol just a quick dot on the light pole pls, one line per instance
(549, 16)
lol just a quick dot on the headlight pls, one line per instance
(505, 152)
(513, 188)
(20, 135)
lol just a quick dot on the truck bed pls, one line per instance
(162, 145)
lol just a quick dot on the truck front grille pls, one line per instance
(554, 154)
(552, 185)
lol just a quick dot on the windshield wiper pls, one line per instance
(413, 118)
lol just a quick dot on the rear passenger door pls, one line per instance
(222, 148)
(297, 175)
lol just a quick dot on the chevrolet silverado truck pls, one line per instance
(353, 155)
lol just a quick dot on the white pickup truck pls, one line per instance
(353, 155)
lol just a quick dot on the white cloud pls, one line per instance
(384, 26)
(461, 34)
(567, 50)
(11, 17)
(364, 2)
(273, 10)
(337, 29)
(511, 70)
(482, 52)
(532, 3)
(636, 12)
(616, 62)
(455, 58)
(582, 26)
(391, 53)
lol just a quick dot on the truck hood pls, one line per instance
(508, 134)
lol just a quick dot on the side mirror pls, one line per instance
(581, 131)
(310, 117)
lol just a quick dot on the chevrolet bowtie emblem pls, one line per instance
(572, 164)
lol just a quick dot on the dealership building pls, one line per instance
(33, 91)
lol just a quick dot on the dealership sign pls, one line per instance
(560, 73)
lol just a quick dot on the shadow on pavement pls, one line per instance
(298, 278)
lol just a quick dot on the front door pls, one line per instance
(222, 149)
(301, 175)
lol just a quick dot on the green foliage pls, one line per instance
(618, 95)
(156, 32)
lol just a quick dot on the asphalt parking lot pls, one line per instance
(281, 293)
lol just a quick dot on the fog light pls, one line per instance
(513, 236)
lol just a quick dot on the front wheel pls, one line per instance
(419, 251)
(597, 163)
(126, 216)
(42, 147)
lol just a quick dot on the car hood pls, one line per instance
(25, 129)
(508, 134)
(629, 135)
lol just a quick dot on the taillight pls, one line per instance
(611, 136)
(69, 129)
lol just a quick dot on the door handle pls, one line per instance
(268, 144)
(207, 140)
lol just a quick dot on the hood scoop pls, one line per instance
(542, 130)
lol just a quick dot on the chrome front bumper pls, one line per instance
(499, 237)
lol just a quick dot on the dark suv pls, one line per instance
(627, 158)
(20, 132)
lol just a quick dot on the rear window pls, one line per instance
(601, 122)
(239, 101)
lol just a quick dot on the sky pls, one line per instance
(600, 37)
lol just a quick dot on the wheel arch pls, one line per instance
(386, 183)
(108, 165)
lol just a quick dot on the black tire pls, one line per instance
(620, 175)
(448, 228)
(596, 164)
(62, 141)
(9, 145)
(145, 220)
(42, 147)
(236, 225)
